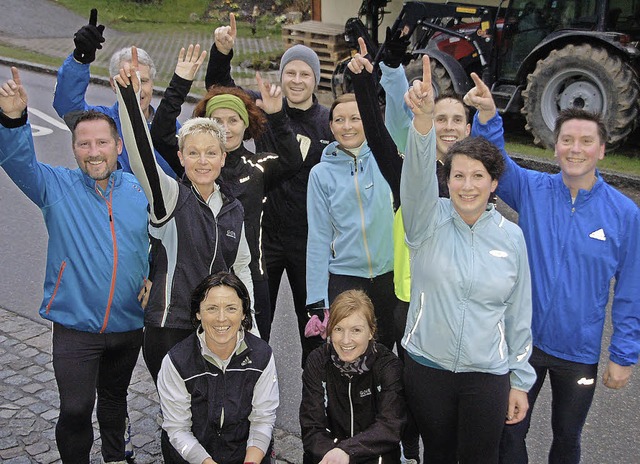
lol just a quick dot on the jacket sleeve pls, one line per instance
(160, 189)
(517, 321)
(513, 181)
(241, 269)
(625, 311)
(164, 127)
(264, 404)
(288, 159)
(319, 240)
(175, 402)
(384, 434)
(380, 142)
(314, 425)
(397, 115)
(219, 69)
(18, 159)
(71, 87)
(419, 187)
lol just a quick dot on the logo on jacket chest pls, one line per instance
(246, 361)
(231, 234)
(365, 392)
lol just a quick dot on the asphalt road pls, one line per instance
(611, 434)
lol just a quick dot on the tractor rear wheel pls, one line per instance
(586, 77)
(440, 78)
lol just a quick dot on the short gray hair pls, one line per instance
(202, 126)
(124, 54)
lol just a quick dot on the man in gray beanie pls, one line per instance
(284, 223)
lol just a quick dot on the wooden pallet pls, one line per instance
(327, 40)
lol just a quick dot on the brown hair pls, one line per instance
(344, 98)
(257, 119)
(93, 115)
(479, 149)
(577, 113)
(348, 303)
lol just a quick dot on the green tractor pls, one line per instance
(537, 56)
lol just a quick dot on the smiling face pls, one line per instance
(346, 125)
(233, 125)
(470, 186)
(578, 150)
(96, 149)
(350, 337)
(298, 84)
(221, 315)
(450, 121)
(202, 157)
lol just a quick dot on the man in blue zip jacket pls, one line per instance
(581, 233)
(97, 260)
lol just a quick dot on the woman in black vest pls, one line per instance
(353, 408)
(218, 388)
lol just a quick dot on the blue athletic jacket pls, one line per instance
(350, 215)
(69, 97)
(97, 254)
(575, 249)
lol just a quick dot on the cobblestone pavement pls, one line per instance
(29, 402)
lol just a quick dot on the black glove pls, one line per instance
(395, 48)
(88, 39)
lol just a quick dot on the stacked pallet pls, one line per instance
(327, 40)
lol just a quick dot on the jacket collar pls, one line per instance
(114, 181)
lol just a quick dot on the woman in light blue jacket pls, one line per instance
(350, 209)
(468, 333)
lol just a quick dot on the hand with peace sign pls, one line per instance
(13, 96)
(225, 36)
(189, 62)
(480, 98)
(359, 62)
(270, 96)
(128, 74)
(419, 98)
(88, 39)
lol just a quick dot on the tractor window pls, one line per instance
(624, 16)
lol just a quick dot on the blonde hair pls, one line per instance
(202, 126)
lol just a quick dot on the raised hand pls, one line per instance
(88, 39)
(480, 98)
(128, 74)
(419, 98)
(189, 62)
(225, 36)
(13, 96)
(359, 62)
(270, 96)
(395, 48)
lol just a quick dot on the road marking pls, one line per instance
(54, 122)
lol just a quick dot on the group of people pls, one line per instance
(173, 238)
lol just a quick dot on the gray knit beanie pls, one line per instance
(302, 53)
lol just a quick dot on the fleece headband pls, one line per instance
(228, 101)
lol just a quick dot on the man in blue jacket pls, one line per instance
(581, 233)
(96, 263)
(73, 80)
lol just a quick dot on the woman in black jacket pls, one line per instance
(353, 408)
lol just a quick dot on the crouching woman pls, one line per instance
(353, 408)
(218, 388)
